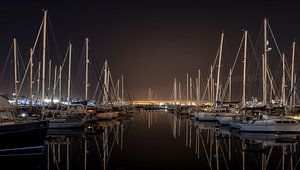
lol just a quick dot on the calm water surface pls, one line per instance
(160, 140)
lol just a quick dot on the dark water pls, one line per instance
(159, 140)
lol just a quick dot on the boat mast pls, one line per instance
(199, 84)
(49, 79)
(31, 78)
(44, 58)
(59, 77)
(118, 90)
(211, 85)
(69, 74)
(245, 69)
(54, 82)
(265, 63)
(86, 68)
(294, 93)
(179, 91)
(187, 87)
(105, 93)
(175, 90)
(292, 73)
(230, 84)
(219, 68)
(16, 70)
(197, 90)
(149, 94)
(283, 81)
(38, 80)
(122, 89)
(191, 89)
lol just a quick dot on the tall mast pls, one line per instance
(283, 81)
(49, 78)
(245, 69)
(149, 94)
(69, 74)
(86, 68)
(179, 91)
(219, 67)
(199, 84)
(265, 55)
(118, 90)
(38, 80)
(122, 89)
(44, 56)
(294, 91)
(230, 84)
(16, 70)
(211, 85)
(191, 89)
(106, 76)
(59, 77)
(292, 73)
(197, 90)
(31, 78)
(187, 87)
(54, 82)
(175, 90)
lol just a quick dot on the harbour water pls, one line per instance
(160, 140)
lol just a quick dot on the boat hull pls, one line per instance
(270, 128)
(206, 117)
(67, 124)
(23, 138)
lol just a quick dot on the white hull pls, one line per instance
(289, 128)
(225, 120)
(206, 117)
(270, 125)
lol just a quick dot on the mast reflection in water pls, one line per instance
(161, 140)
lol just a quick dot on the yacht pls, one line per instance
(265, 123)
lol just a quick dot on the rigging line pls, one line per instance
(83, 72)
(127, 92)
(277, 47)
(238, 53)
(22, 62)
(20, 56)
(112, 84)
(272, 80)
(102, 86)
(80, 74)
(210, 75)
(37, 37)
(96, 70)
(288, 69)
(115, 90)
(254, 56)
(6, 63)
(21, 85)
(56, 46)
(278, 50)
(232, 68)
(98, 83)
(62, 66)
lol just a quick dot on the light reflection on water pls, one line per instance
(160, 140)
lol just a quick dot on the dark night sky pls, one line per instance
(150, 42)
